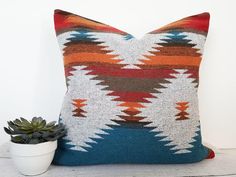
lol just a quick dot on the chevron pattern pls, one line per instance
(130, 100)
(79, 112)
(182, 107)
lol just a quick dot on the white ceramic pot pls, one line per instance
(33, 159)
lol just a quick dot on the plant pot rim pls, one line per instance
(18, 149)
(32, 144)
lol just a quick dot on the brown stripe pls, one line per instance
(145, 66)
(176, 51)
(110, 65)
(88, 47)
(131, 84)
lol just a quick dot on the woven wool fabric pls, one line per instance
(130, 100)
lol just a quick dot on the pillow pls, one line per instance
(131, 100)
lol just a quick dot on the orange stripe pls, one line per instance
(132, 109)
(182, 103)
(76, 20)
(182, 108)
(83, 21)
(90, 57)
(173, 60)
(132, 104)
(177, 24)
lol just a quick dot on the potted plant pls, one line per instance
(33, 143)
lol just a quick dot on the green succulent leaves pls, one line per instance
(35, 131)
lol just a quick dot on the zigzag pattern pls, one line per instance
(130, 100)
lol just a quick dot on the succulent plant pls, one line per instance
(35, 131)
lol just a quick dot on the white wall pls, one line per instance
(31, 67)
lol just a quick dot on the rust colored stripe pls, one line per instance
(132, 96)
(131, 73)
(173, 60)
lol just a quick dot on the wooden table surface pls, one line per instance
(223, 165)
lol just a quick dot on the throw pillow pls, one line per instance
(131, 100)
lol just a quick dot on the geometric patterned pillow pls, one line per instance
(131, 100)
